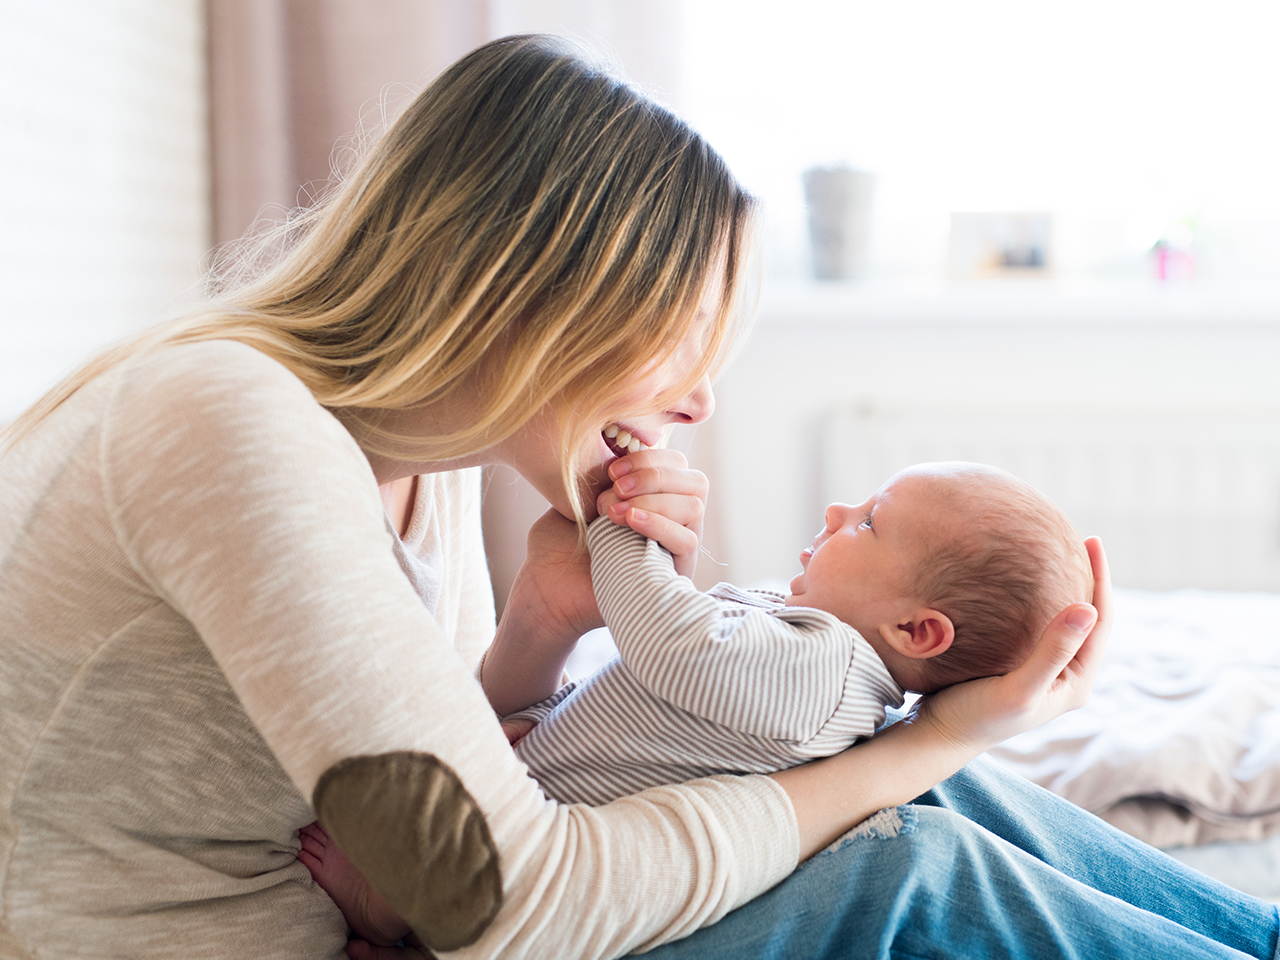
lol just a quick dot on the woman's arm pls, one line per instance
(954, 725)
(255, 519)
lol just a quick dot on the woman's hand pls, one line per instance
(954, 725)
(552, 602)
(550, 606)
(656, 493)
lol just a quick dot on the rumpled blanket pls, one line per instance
(1180, 743)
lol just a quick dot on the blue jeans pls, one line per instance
(988, 865)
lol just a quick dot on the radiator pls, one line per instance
(1181, 498)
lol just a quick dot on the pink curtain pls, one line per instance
(289, 79)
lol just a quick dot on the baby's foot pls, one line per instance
(366, 912)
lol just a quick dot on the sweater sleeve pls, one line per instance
(251, 511)
(772, 674)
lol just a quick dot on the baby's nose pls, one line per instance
(836, 514)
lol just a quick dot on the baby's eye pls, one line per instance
(866, 523)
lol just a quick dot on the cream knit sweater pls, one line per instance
(201, 613)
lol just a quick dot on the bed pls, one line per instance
(1180, 743)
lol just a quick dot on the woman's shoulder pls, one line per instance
(216, 401)
(214, 381)
(209, 366)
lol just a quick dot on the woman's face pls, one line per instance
(534, 450)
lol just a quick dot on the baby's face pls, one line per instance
(862, 561)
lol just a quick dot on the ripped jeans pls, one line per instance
(987, 865)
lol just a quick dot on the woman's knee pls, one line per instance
(910, 852)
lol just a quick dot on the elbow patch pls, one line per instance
(409, 824)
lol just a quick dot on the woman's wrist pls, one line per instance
(526, 661)
(833, 795)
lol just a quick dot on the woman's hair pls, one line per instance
(530, 229)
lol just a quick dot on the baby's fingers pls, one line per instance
(680, 541)
(687, 511)
(516, 730)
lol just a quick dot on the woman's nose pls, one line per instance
(698, 405)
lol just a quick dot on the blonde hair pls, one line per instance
(530, 229)
(1015, 562)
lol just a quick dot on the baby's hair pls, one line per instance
(1016, 564)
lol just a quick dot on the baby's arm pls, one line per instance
(763, 674)
(552, 603)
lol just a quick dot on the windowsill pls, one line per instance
(1001, 301)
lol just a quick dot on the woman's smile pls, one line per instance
(622, 439)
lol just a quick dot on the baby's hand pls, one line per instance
(656, 493)
(517, 730)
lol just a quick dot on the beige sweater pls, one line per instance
(201, 612)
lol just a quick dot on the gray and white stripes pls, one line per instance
(727, 681)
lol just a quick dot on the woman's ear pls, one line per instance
(928, 633)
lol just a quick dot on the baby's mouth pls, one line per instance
(620, 441)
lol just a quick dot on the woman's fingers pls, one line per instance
(654, 492)
(1054, 661)
(1089, 656)
(656, 481)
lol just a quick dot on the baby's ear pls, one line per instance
(928, 633)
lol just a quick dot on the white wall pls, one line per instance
(103, 178)
(815, 351)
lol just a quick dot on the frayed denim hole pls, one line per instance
(888, 824)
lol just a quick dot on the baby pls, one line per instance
(947, 573)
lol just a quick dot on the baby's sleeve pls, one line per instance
(771, 676)
(542, 709)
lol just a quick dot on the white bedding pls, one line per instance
(1180, 744)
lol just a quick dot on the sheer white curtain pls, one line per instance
(103, 178)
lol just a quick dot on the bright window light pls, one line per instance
(1128, 121)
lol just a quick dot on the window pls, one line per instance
(1128, 121)
(103, 178)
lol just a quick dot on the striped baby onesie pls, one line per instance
(727, 681)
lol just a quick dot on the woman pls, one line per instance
(243, 581)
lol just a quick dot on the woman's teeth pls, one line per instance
(623, 440)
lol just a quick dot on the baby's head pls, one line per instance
(950, 570)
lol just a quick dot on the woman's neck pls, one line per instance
(398, 498)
